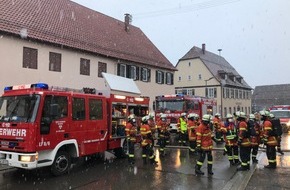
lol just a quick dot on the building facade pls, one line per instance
(62, 43)
(203, 73)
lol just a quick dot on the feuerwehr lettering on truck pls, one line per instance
(13, 132)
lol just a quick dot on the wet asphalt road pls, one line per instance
(175, 171)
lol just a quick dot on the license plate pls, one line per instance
(4, 143)
(5, 162)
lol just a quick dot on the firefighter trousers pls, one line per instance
(271, 155)
(245, 155)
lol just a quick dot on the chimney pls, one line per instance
(128, 20)
(203, 48)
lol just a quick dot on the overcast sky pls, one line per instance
(254, 35)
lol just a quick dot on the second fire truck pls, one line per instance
(174, 105)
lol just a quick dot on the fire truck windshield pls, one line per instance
(170, 105)
(18, 108)
(281, 114)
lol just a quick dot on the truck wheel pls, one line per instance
(61, 163)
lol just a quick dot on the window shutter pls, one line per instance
(118, 69)
(137, 73)
(149, 75)
(156, 77)
(172, 81)
(128, 71)
(162, 77)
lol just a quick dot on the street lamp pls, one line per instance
(206, 92)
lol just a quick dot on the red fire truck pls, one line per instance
(283, 113)
(174, 105)
(47, 126)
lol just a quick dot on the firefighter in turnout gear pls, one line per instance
(192, 124)
(131, 134)
(162, 127)
(255, 132)
(230, 135)
(147, 148)
(217, 124)
(276, 122)
(182, 126)
(244, 142)
(204, 145)
(153, 127)
(270, 139)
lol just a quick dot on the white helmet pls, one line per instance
(265, 113)
(131, 117)
(228, 116)
(206, 117)
(145, 118)
(183, 114)
(217, 115)
(191, 115)
(252, 116)
(151, 115)
(242, 115)
(272, 115)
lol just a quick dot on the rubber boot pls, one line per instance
(237, 162)
(232, 163)
(270, 166)
(197, 170)
(209, 169)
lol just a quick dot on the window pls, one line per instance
(159, 77)
(169, 78)
(190, 91)
(227, 93)
(225, 112)
(232, 93)
(55, 107)
(199, 77)
(85, 66)
(189, 64)
(96, 109)
(189, 77)
(78, 109)
(211, 92)
(178, 91)
(236, 93)
(133, 72)
(179, 78)
(54, 61)
(230, 110)
(29, 58)
(240, 94)
(102, 68)
(121, 70)
(145, 74)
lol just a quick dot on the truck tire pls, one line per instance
(61, 163)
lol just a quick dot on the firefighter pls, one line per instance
(255, 131)
(217, 124)
(276, 121)
(153, 127)
(162, 127)
(270, 139)
(243, 142)
(229, 131)
(131, 133)
(192, 124)
(147, 148)
(182, 126)
(204, 145)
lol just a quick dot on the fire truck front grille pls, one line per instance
(10, 144)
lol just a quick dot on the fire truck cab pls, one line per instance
(283, 113)
(45, 126)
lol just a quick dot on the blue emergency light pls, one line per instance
(27, 86)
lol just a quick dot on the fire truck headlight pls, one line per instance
(28, 158)
(288, 123)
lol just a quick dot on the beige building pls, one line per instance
(62, 43)
(203, 73)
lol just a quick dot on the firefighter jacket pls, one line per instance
(204, 137)
(131, 132)
(146, 134)
(269, 138)
(229, 131)
(162, 127)
(256, 139)
(217, 124)
(182, 125)
(244, 137)
(152, 125)
(192, 126)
